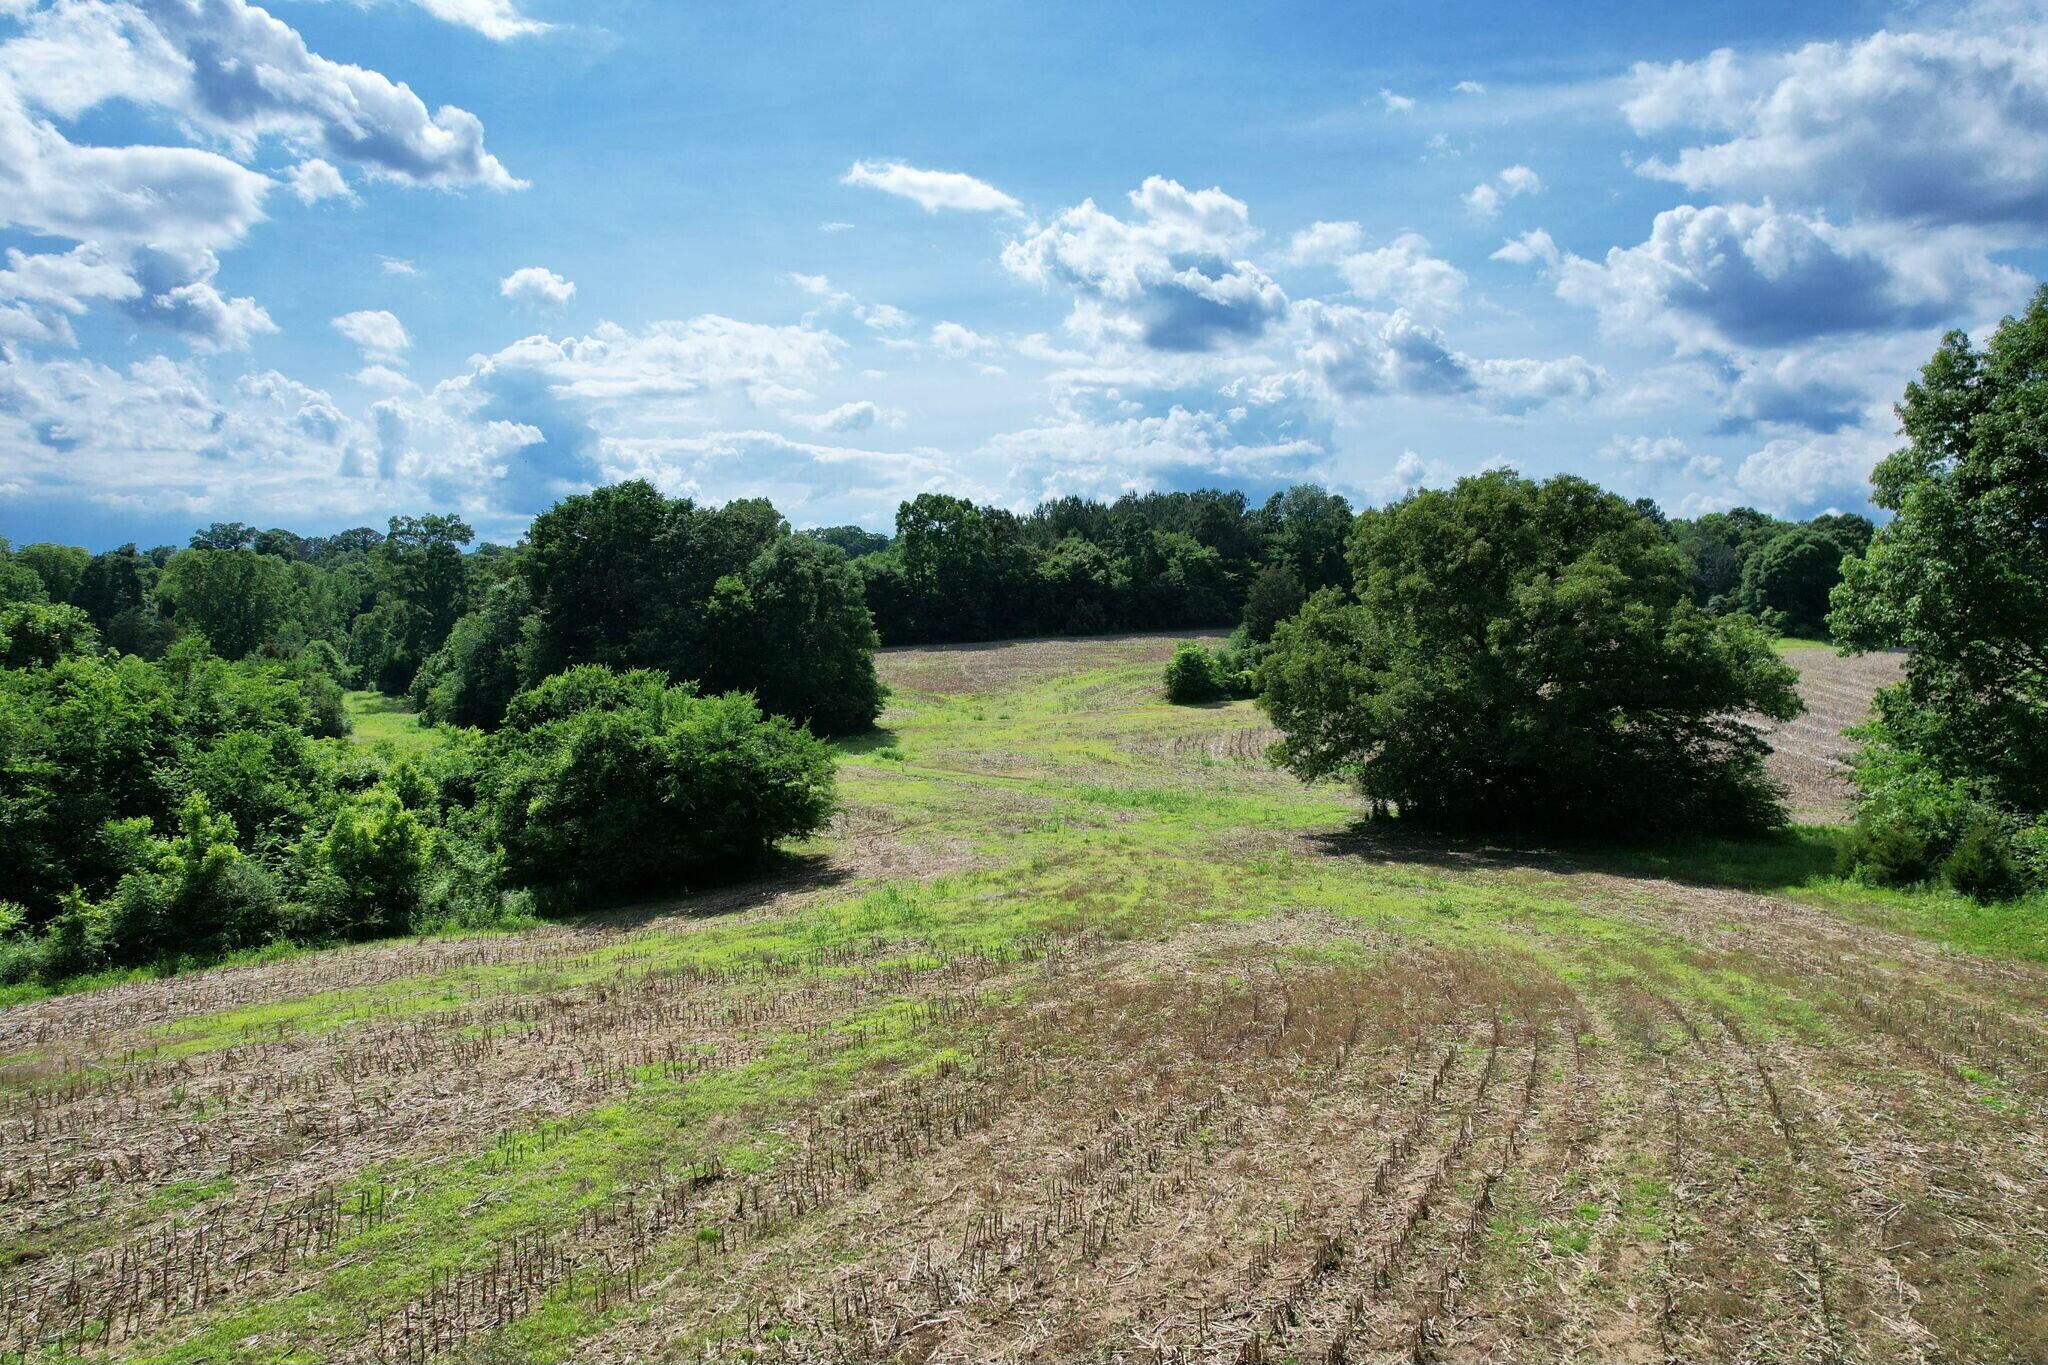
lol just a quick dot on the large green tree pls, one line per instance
(1527, 656)
(235, 598)
(1309, 528)
(1959, 577)
(793, 628)
(61, 567)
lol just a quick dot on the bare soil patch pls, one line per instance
(1004, 665)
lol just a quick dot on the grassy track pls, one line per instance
(1084, 1033)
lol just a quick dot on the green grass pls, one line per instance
(376, 719)
(1804, 863)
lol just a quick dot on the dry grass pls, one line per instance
(1809, 754)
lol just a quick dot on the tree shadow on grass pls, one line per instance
(867, 741)
(1773, 861)
(742, 888)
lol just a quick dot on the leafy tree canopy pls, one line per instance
(1526, 656)
(616, 782)
(1785, 583)
(1959, 577)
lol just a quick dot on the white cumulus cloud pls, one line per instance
(379, 334)
(537, 287)
(932, 190)
(1938, 126)
(1484, 200)
(1173, 277)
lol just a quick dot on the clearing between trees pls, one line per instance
(1084, 1034)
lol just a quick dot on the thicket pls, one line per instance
(1953, 774)
(176, 810)
(173, 788)
(1196, 674)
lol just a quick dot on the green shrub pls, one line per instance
(78, 939)
(1983, 866)
(375, 855)
(464, 884)
(1889, 854)
(615, 782)
(21, 956)
(220, 899)
(1909, 818)
(1195, 675)
(2030, 847)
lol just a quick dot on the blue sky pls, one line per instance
(318, 262)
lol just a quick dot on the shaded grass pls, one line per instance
(1805, 863)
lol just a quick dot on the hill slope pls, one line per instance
(1085, 1033)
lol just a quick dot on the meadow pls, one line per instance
(1083, 1033)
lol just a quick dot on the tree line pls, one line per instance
(956, 571)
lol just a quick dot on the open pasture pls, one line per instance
(1085, 1034)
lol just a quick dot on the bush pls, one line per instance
(1196, 675)
(616, 782)
(1909, 817)
(21, 956)
(375, 857)
(1889, 854)
(1983, 866)
(78, 940)
(220, 900)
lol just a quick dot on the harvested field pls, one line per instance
(1084, 1035)
(1809, 754)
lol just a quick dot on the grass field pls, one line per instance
(388, 721)
(1083, 1034)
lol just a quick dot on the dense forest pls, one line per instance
(634, 693)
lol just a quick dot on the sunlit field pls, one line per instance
(1083, 1033)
